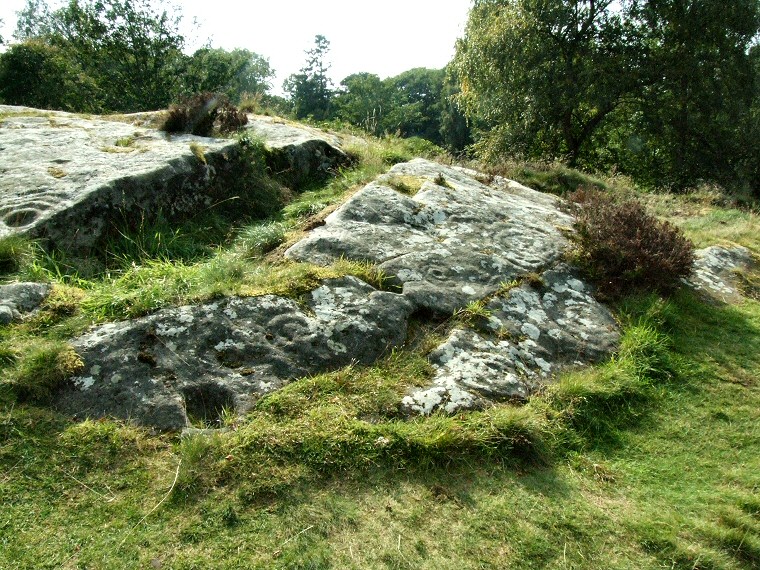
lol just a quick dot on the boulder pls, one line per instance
(455, 241)
(70, 178)
(17, 299)
(297, 153)
(188, 364)
(715, 270)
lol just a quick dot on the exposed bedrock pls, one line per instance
(187, 364)
(455, 241)
(71, 179)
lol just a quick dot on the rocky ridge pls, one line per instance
(69, 178)
(456, 241)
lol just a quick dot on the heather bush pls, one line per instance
(203, 113)
(623, 248)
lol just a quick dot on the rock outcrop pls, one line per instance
(715, 270)
(459, 239)
(527, 335)
(69, 178)
(18, 299)
(189, 363)
(455, 241)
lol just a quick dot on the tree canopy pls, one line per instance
(651, 87)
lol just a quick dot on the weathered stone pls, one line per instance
(529, 335)
(16, 299)
(69, 179)
(453, 242)
(715, 268)
(298, 153)
(188, 363)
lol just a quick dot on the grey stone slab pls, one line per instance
(454, 241)
(190, 362)
(69, 178)
(530, 335)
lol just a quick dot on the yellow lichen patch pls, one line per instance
(56, 172)
(405, 184)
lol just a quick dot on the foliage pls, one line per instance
(235, 73)
(125, 48)
(204, 113)
(540, 77)
(310, 89)
(38, 74)
(15, 252)
(698, 84)
(626, 249)
(662, 91)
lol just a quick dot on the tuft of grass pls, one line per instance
(257, 240)
(551, 178)
(199, 152)
(408, 185)
(16, 253)
(41, 368)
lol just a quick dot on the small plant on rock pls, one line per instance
(201, 113)
(623, 248)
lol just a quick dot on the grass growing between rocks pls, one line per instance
(650, 460)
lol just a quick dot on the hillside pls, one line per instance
(366, 356)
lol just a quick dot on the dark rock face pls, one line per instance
(189, 363)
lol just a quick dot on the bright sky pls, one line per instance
(384, 37)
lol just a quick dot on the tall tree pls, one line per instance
(416, 103)
(310, 90)
(699, 85)
(540, 76)
(234, 73)
(364, 101)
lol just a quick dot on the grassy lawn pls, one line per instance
(651, 460)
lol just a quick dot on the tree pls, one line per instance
(231, 72)
(539, 77)
(416, 103)
(33, 21)
(698, 92)
(126, 47)
(364, 102)
(310, 90)
(37, 74)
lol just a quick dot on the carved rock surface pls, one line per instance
(16, 299)
(69, 178)
(531, 333)
(189, 363)
(454, 241)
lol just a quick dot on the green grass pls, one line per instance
(613, 467)
(647, 461)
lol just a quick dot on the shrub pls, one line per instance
(623, 248)
(201, 113)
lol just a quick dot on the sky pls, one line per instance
(385, 37)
